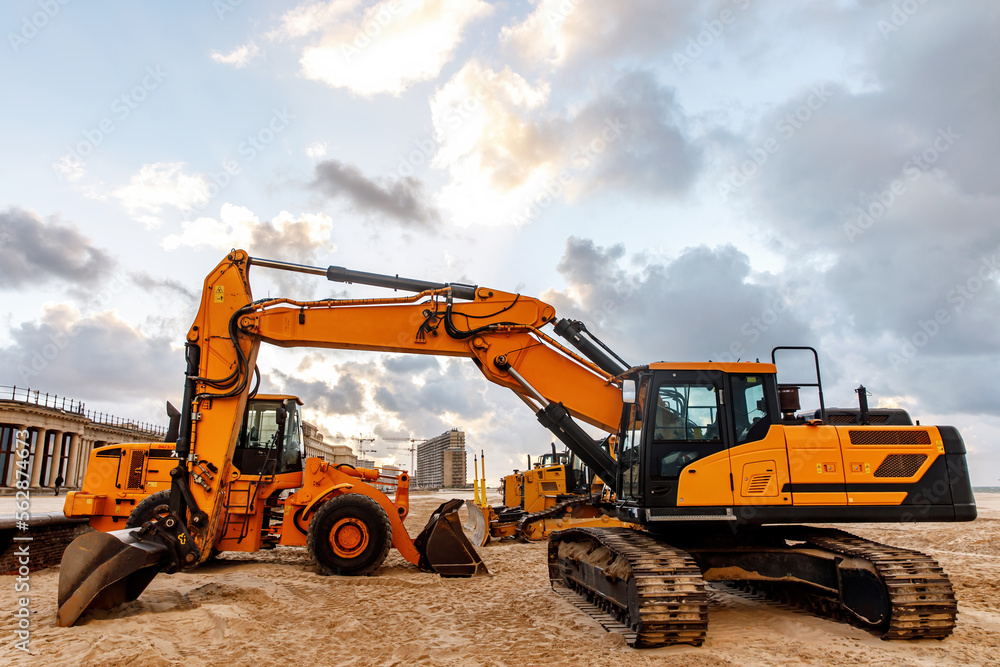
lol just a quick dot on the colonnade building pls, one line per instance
(60, 436)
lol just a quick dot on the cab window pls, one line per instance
(750, 410)
(685, 427)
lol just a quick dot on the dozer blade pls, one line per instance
(478, 524)
(443, 546)
(104, 570)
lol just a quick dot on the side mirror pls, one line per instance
(280, 415)
(628, 391)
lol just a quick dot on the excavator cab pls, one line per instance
(270, 440)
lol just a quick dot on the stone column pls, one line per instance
(14, 444)
(36, 459)
(75, 443)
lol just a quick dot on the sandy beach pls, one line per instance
(273, 608)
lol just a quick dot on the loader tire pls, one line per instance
(349, 536)
(149, 508)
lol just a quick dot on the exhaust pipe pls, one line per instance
(104, 570)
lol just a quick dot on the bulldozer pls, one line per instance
(556, 492)
(712, 465)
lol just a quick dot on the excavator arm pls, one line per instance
(501, 332)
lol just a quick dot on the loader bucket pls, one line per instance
(104, 570)
(478, 524)
(443, 546)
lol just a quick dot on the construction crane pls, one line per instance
(361, 443)
(413, 451)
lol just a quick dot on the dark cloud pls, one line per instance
(93, 358)
(635, 136)
(35, 252)
(346, 397)
(148, 282)
(701, 305)
(888, 196)
(402, 199)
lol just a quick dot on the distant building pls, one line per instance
(441, 461)
(316, 446)
(61, 433)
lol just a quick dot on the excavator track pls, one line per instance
(920, 596)
(654, 589)
(921, 599)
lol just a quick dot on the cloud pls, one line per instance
(704, 304)
(316, 150)
(285, 236)
(313, 17)
(510, 154)
(344, 397)
(238, 57)
(160, 185)
(151, 283)
(70, 168)
(558, 31)
(97, 357)
(402, 199)
(390, 46)
(35, 252)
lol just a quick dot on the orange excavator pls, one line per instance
(710, 463)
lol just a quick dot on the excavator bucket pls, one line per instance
(443, 546)
(104, 570)
(478, 524)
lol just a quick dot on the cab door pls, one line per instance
(687, 440)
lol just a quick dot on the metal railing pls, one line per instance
(30, 396)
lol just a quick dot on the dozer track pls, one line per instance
(555, 511)
(921, 599)
(651, 587)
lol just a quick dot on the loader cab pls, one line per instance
(684, 420)
(270, 440)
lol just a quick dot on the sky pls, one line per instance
(693, 180)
